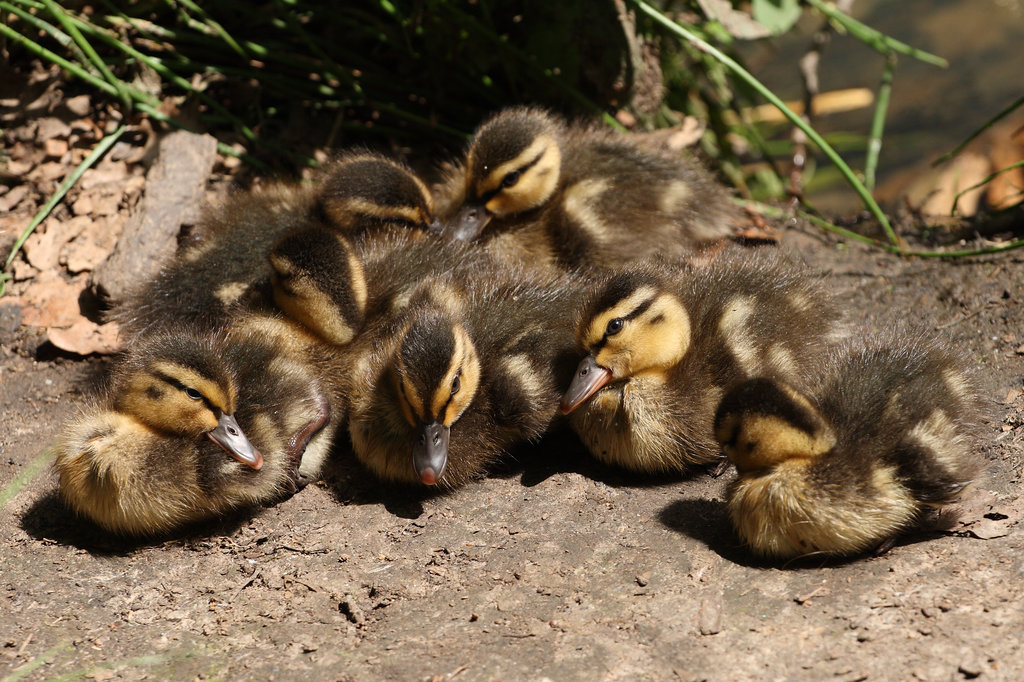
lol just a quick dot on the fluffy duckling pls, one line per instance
(534, 188)
(458, 375)
(193, 427)
(663, 342)
(358, 194)
(844, 468)
(334, 284)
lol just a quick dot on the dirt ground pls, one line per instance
(551, 568)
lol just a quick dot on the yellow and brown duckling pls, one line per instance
(533, 187)
(194, 426)
(885, 434)
(663, 342)
(457, 376)
(334, 284)
(357, 194)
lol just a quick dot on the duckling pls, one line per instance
(194, 426)
(535, 188)
(334, 284)
(884, 434)
(359, 193)
(663, 341)
(460, 373)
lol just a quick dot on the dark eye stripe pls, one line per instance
(522, 169)
(636, 312)
(182, 387)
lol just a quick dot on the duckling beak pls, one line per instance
(430, 453)
(469, 222)
(229, 436)
(588, 380)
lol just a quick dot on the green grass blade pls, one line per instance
(796, 120)
(970, 138)
(70, 67)
(878, 122)
(990, 178)
(875, 39)
(58, 12)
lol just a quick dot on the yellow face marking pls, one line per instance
(466, 365)
(408, 397)
(651, 342)
(594, 331)
(357, 274)
(230, 292)
(536, 185)
(733, 326)
(166, 407)
(579, 203)
(345, 212)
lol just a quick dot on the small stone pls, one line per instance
(643, 578)
(709, 620)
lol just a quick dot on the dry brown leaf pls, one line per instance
(85, 337)
(13, 197)
(42, 249)
(49, 301)
(79, 106)
(92, 246)
(55, 148)
(51, 128)
(48, 172)
(985, 515)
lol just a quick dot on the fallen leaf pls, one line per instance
(51, 128)
(86, 337)
(42, 248)
(49, 301)
(985, 515)
(79, 106)
(55, 148)
(92, 246)
(13, 197)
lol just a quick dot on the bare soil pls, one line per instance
(552, 567)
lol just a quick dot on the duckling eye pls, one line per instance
(193, 393)
(456, 383)
(510, 179)
(614, 326)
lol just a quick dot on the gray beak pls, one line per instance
(430, 453)
(229, 436)
(588, 380)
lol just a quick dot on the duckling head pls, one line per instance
(633, 328)
(513, 165)
(319, 282)
(436, 374)
(763, 423)
(369, 189)
(178, 386)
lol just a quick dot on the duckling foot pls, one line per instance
(297, 444)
